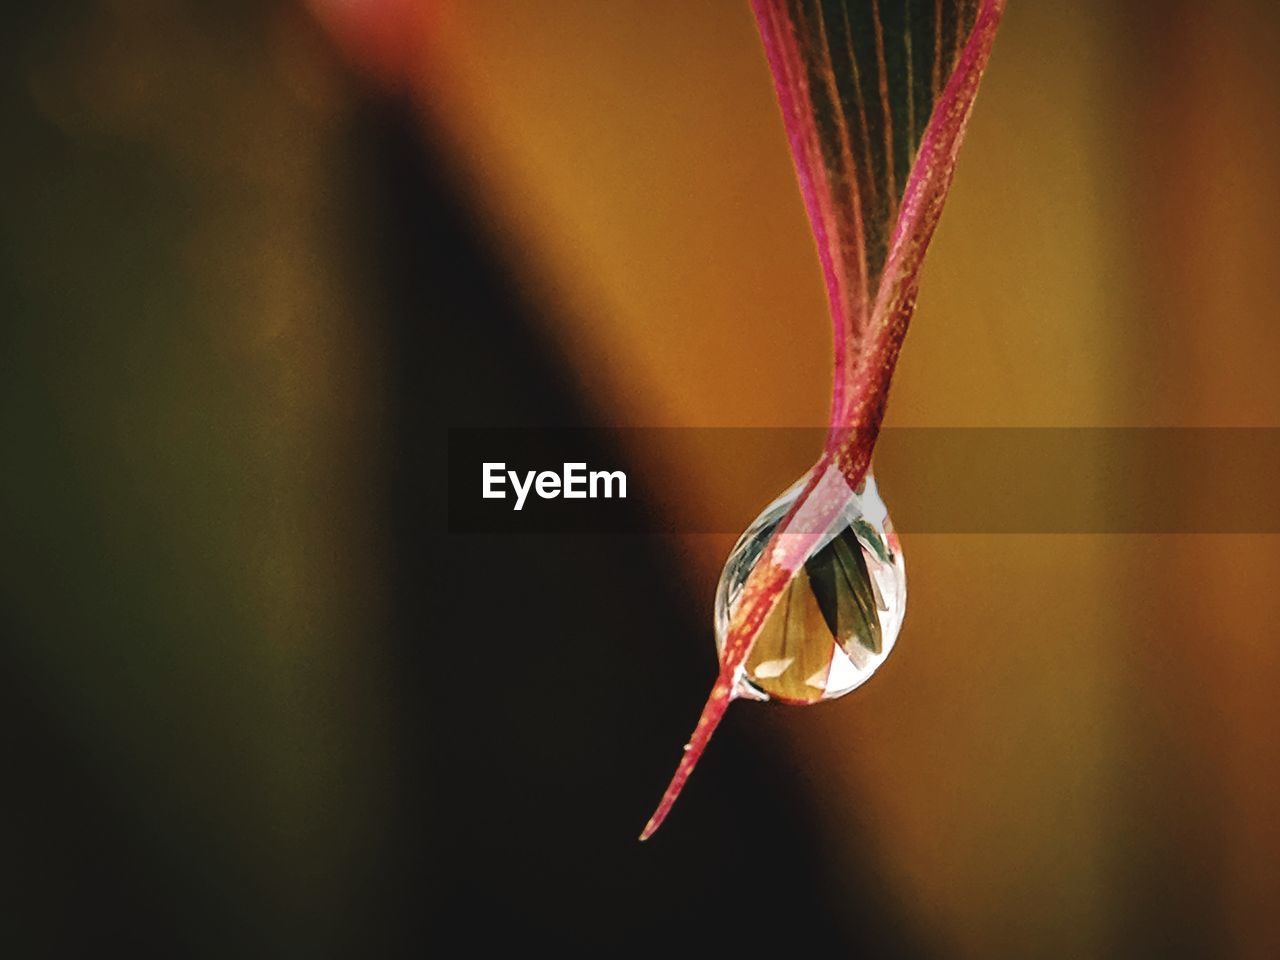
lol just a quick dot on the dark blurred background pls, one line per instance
(258, 257)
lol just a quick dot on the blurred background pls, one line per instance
(257, 257)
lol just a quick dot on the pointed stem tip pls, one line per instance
(712, 714)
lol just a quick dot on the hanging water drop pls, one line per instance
(837, 619)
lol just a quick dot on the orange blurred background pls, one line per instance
(1073, 751)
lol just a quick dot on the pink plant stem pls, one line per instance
(861, 384)
(712, 713)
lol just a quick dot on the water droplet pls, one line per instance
(838, 618)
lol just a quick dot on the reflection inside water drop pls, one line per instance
(838, 618)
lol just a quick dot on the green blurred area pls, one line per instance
(188, 530)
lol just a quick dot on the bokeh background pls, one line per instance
(257, 257)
